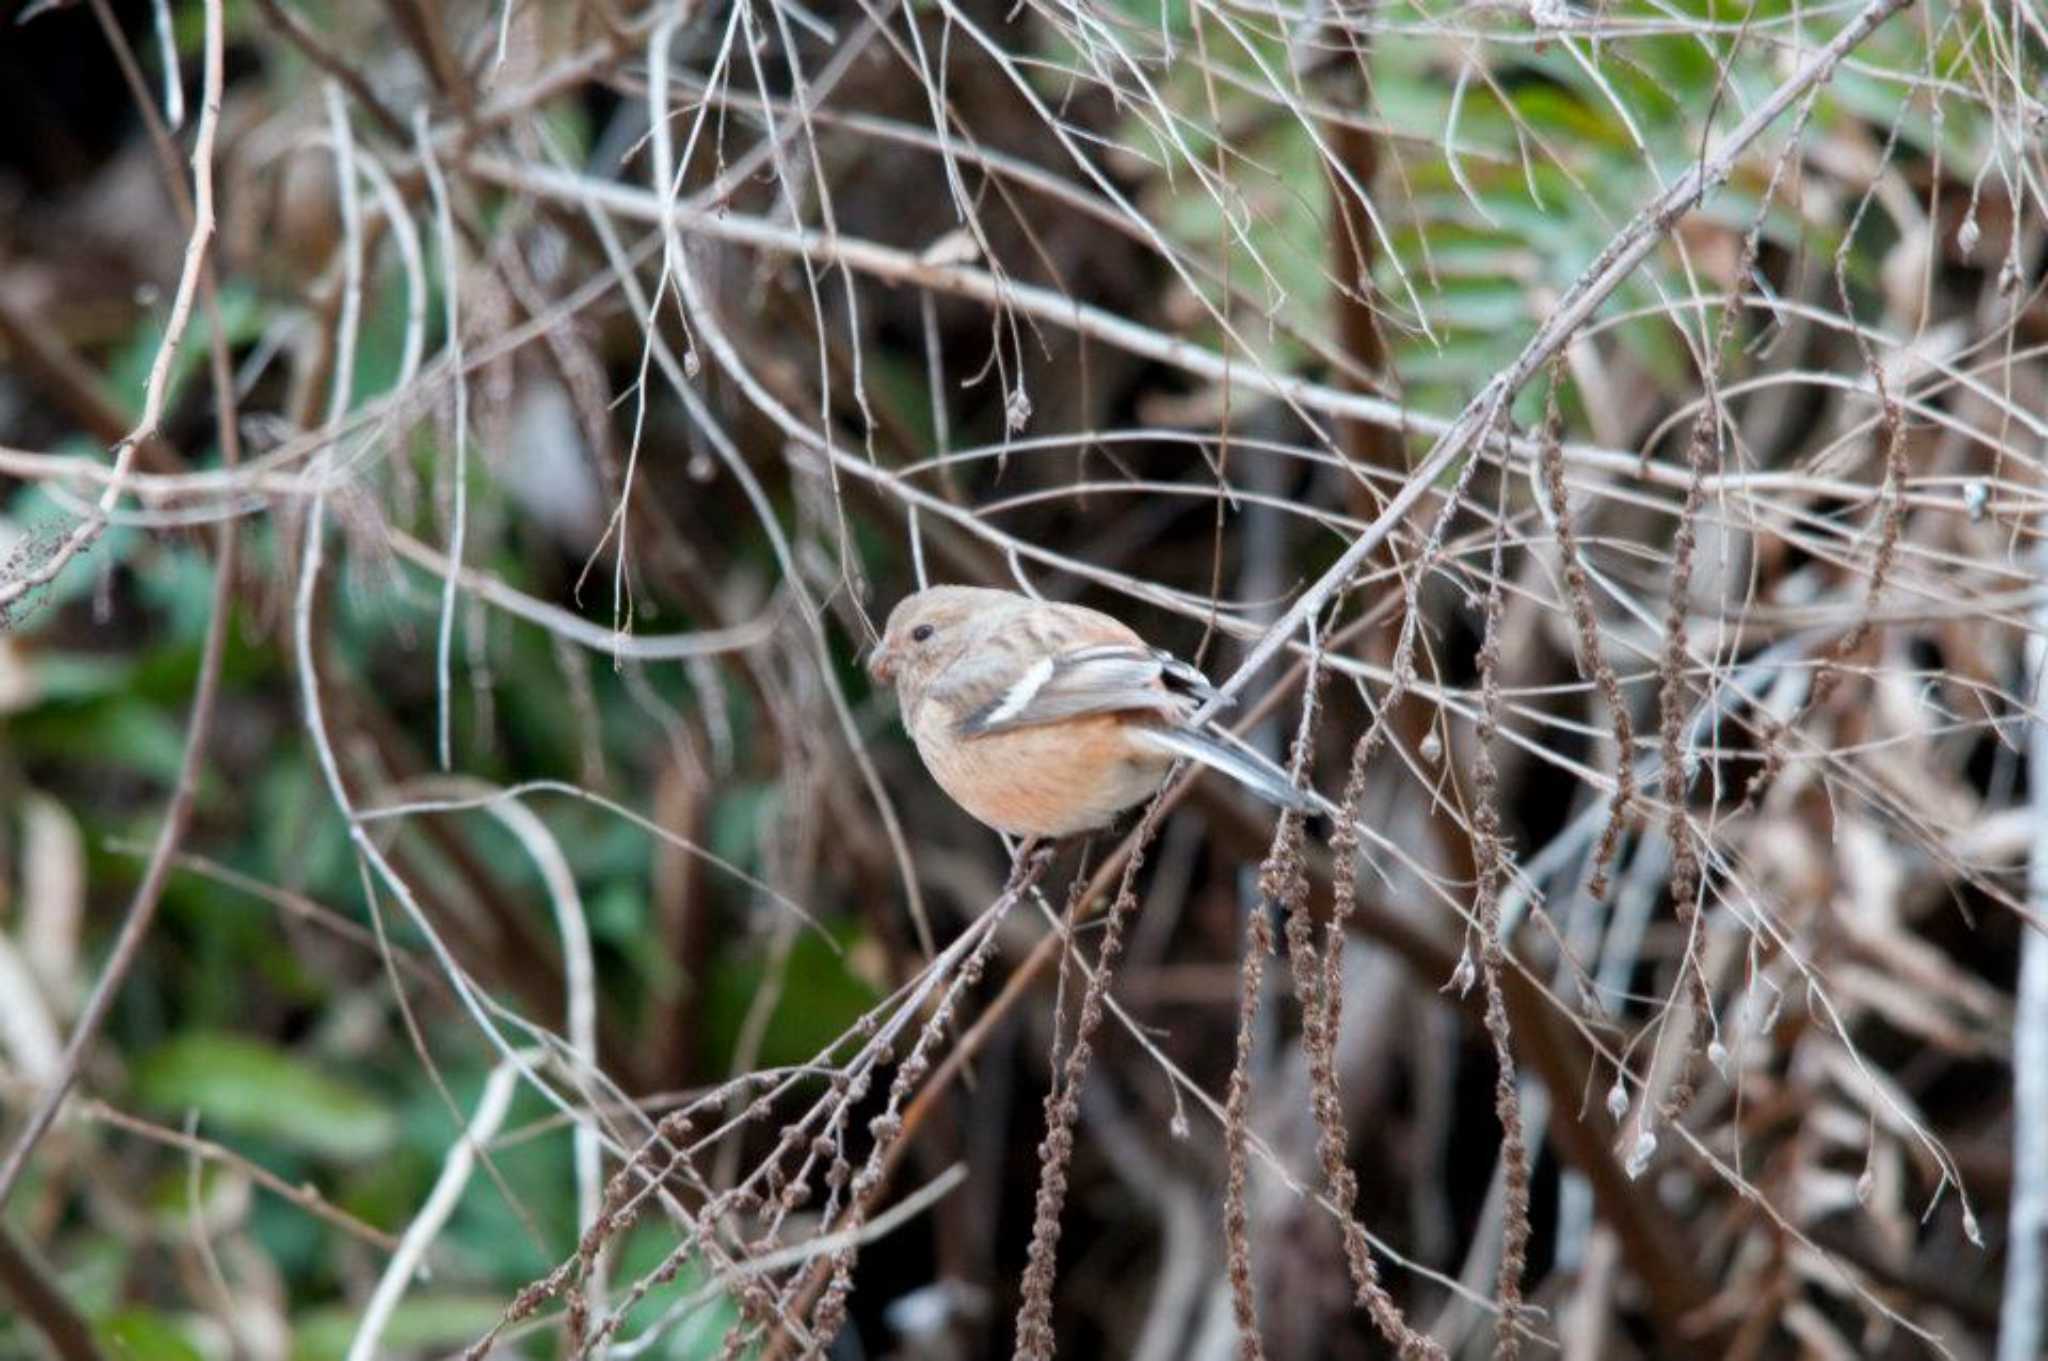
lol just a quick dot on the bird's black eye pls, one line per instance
(920, 633)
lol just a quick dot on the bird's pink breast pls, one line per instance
(1052, 780)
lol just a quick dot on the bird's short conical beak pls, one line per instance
(882, 665)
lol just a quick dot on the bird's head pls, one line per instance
(926, 631)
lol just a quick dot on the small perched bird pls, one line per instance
(1043, 720)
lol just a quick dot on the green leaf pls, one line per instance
(80, 675)
(41, 520)
(242, 315)
(118, 731)
(424, 1323)
(697, 1334)
(248, 1087)
(821, 998)
(178, 583)
(302, 840)
(618, 914)
(142, 1335)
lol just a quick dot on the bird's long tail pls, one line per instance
(1254, 772)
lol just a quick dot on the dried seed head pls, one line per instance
(1976, 497)
(1717, 1054)
(1639, 1156)
(1464, 976)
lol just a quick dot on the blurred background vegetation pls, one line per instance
(1148, 305)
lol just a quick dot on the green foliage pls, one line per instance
(36, 513)
(242, 319)
(820, 999)
(141, 1335)
(695, 1334)
(1507, 178)
(436, 1321)
(119, 730)
(243, 1085)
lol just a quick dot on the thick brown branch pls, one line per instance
(27, 1281)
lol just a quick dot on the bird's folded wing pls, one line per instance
(1105, 678)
